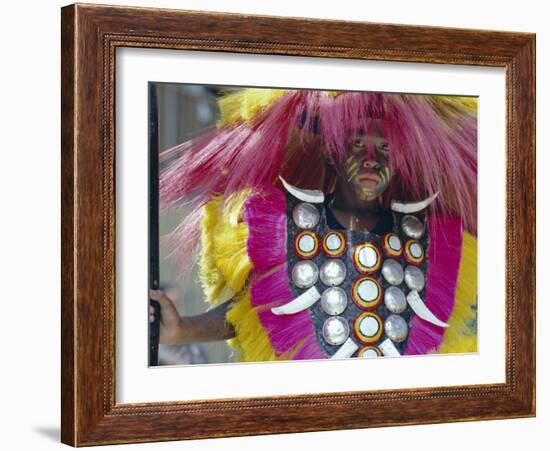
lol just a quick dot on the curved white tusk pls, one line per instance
(421, 310)
(346, 350)
(302, 302)
(305, 195)
(412, 207)
(388, 348)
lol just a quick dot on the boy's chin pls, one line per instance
(370, 193)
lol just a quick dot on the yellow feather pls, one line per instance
(211, 277)
(461, 335)
(224, 259)
(468, 102)
(245, 104)
(251, 342)
(450, 108)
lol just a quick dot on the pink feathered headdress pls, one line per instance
(432, 142)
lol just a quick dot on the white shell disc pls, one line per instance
(305, 216)
(305, 274)
(334, 301)
(333, 272)
(335, 330)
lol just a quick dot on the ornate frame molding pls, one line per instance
(90, 36)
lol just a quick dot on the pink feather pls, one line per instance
(265, 214)
(444, 254)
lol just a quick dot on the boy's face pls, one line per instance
(366, 167)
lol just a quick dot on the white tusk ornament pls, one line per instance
(421, 310)
(412, 207)
(305, 195)
(388, 348)
(346, 350)
(302, 302)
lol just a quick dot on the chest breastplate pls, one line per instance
(358, 286)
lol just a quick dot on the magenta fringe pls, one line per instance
(309, 350)
(444, 254)
(265, 214)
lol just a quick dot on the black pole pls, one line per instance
(154, 327)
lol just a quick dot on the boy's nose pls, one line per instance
(369, 164)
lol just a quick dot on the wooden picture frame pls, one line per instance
(90, 37)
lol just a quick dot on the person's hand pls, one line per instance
(171, 324)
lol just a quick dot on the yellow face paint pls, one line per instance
(351, 167)
(352, 173)
(360, 161)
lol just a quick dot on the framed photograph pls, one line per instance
(278, 225)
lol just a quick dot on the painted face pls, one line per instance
(366, 165)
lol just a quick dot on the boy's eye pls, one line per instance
(359, 143)
(384, 147)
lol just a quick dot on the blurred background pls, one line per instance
(184, 111)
